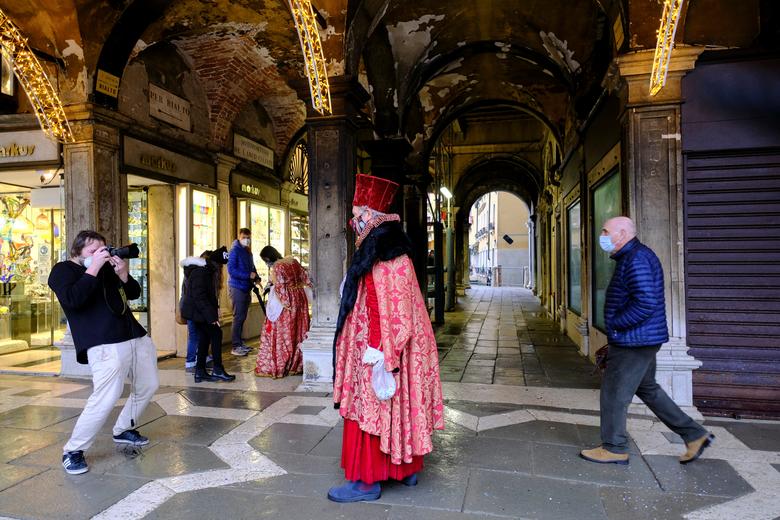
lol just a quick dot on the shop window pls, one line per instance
(607, 203)
(268, 228)
(574, 252)
(138, 226)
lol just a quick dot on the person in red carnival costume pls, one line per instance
(383, 331)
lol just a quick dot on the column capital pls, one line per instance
(347, 97)
(225, 165)
(636, 68)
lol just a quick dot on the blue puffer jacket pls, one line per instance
(240, 265)
(634, 310)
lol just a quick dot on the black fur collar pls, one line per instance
(386, 242)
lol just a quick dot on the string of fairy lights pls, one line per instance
(314, 59)
(664, 44)
(31, 76)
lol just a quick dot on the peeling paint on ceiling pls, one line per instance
(410, 39)
(73, 49)
(559, 51)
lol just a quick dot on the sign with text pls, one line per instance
(146, 157)
(253, 151)
(107, 83)
(169, 108)
(299, 202)
(243, 186)
(27, 147)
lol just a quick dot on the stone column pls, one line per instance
(95, 194)
(332, 162)
(655, 176)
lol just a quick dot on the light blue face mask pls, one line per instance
(606, 243)
(87, 262)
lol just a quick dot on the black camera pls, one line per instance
(128, 251)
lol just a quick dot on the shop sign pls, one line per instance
(243, 186)
(299, 202)
(169, 108)
(29, 146)
(147, 157)
(107, 84)
(244, 148)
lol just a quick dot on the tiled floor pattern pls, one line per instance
(260, 450)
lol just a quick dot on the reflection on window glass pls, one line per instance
(575, 260)
(7, 77)
(204, 222)
(606, 204)
(258, 224)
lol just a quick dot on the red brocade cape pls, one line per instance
(404, 423)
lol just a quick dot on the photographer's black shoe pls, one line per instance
(203, 375)
(219, 373)
(131, 437)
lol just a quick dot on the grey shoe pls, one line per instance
(238, 351)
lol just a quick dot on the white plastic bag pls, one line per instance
(274, 307)
(382, 381)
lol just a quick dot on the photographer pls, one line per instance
(93, 288)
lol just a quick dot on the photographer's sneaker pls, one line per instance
(131, 437)
(238, 351)
(74, 463)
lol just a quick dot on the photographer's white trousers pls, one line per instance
(111, 364)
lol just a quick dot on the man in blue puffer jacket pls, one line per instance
(635, 318)
(243, 276)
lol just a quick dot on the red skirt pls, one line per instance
(362, 459)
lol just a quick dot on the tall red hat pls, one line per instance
(375, 192)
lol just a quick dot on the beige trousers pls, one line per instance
(111, 364)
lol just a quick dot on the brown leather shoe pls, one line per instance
(603, 456)
(696, 448)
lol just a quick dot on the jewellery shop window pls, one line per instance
(299, 239)
(138, 226)
(267, 224)
(31, 320)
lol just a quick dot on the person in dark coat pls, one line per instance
(635, 318)
(200, 304)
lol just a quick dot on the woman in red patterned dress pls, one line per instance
(287, 317)
(383, 331)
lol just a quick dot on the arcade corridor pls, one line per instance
(258, 449)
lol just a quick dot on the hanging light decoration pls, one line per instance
(311, 46)
(32, 77)
(665, 44)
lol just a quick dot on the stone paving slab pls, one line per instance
(169, 459)
(563, 462)
(15, 443)
(210, 504)
(705, 477)
(151, 413)
(188, 430)
(289, 438)
(652, 505)
(757, 436)
(524, 496)
(309, 464)
(230, 398)
(36, 417)
(437, 488)
(66, 496)
(11, 475)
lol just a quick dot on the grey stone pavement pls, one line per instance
(520, 404)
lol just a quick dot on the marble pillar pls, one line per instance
(332, 163)
(655, 176)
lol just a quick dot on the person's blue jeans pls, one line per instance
(192, 344)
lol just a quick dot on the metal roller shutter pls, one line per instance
(732, 203)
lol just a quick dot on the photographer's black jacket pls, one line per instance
(96, 312)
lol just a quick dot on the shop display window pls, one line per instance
(267, 224)
(574, 253)
(31, 320)
(137, 231)
(299, 239)
(607, 203)
(204, 221)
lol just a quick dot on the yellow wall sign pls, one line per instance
(107, 84)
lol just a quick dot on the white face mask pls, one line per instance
(605, 242)
(86, 262)
(245, 242)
